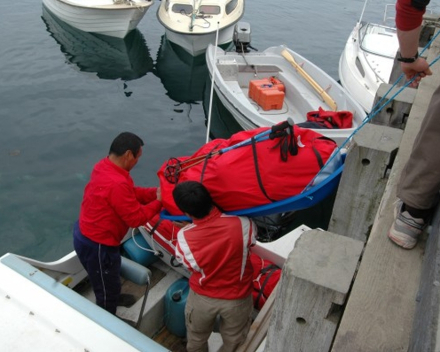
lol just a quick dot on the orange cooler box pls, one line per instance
(271, 99)
(267, 93)
(256, 85)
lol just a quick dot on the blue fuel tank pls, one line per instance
(175, 301)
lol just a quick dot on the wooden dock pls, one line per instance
(391, 300)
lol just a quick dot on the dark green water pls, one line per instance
(66, 94)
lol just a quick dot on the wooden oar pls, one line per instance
(327, 98)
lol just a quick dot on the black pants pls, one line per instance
(103, 265)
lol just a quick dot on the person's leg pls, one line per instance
(419, 184)
(103, 266)
(200, 314)
(236, 319)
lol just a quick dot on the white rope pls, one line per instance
(141, 247)
(208, 127)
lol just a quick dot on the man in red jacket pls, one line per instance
(215, 248)
(419, 184)
(111, 205)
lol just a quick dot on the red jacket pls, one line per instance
(407, 16)
(112, 204)
(216, 250)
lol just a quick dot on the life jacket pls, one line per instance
(265, 278)
(331, 119)
(251, 175)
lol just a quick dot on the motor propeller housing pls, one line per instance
(242, 37)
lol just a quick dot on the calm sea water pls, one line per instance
(66, 94)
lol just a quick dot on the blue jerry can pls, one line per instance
(175, 300)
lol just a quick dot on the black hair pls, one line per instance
(193, 198)
(126, 141)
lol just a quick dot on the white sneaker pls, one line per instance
(405, 229)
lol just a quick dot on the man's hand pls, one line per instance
(419, 69)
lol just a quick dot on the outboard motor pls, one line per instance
(242, 37)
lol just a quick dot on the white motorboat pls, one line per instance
(193, 24)
(48, 306)
(108, 57)
(306, 87)
(114, 18)
(368, 59)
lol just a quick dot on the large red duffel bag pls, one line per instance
(261, 171)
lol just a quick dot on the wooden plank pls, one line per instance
(315, 282)
(425, 327)
(394, 113)
(363, 180)
(259, 327)
(380, 310)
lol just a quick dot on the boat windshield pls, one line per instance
(231, 6)
(379, 40)
(209, 10)
(182, 8)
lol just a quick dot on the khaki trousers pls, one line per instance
(200, 315)
(419, 183)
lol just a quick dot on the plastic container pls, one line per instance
(137, 254)
(175, 301)
(267, 93)
(271, 99)
(256, 85)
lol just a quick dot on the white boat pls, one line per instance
(193, 24)
(109, 57)
(368, 59)
(49, 306)
(114, 18)
(307, 88)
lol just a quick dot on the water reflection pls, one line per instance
(108, 57)
(182, 75)
(223, 124)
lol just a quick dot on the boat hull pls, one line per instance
(367, 61)
(232, 72)
(195, 30)
(102, 17)
(196, 44)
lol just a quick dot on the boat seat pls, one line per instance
(228, 70)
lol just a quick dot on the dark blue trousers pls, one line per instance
(103, 265)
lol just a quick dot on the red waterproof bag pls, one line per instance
(265, 278)
(251, 175)
(331, 119)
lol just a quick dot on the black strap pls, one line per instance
(257, 169)
(318, 156)
(154, 228)
(205, 163)
(271, 268)
(287, 142)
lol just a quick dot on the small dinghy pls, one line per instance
(261, 89)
